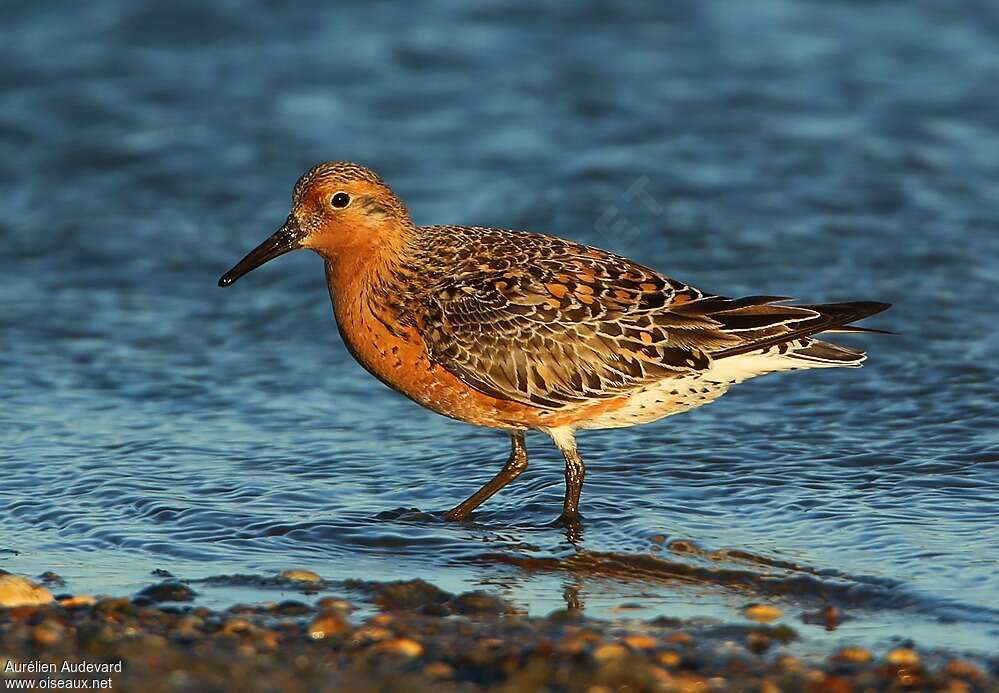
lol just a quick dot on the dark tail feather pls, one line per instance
(817, 352)
(831, 317)
(848, 329)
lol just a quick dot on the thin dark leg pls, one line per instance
(513, 468)
(575, 472)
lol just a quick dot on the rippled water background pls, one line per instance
(823, 150)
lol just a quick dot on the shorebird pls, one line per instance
(519, 331)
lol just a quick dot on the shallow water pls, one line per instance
(151, 420)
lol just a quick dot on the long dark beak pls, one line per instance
(284, 240)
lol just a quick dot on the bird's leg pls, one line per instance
(575, 472)
(513, 468)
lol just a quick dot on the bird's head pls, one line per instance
(339, 209)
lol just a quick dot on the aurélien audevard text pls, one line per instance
(67, 667)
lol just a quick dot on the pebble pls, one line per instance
(269, 640)
(572, 645)
(298, 575)
(291, 607)
(682, 546)
(237, 626)
(334, 604)
(370, 634)
(51, 578)
(627, 606)
(168, 591)
(381, 620)
(762, 613)
(666, 680)
(18, 591)
(407, 647)
(610, 651)
(964, 669)
(410, 594)
(152, 642)
(327, 624)
(114, 604)
(680, 638)
(478, 603)
(47, 633)
(22, 613)
(190, 626)
(439, 670)
(903, 656)
(78, 601)
(640, 642)
(853, 655)
(757, 643)
(669, 659)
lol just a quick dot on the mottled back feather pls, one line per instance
(543, 321)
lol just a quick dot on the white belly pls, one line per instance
(668, 397)
(662, 399)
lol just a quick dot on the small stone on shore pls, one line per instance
(853, 655)
(18, 591)
(406, 647)
(478, 603)
(237, 626)
(640, 642)
(438, 670)
(168, 591)
(290, 607)
(410, 595)
(903, 656)
(757, 643)
(610, 651)
(680, 638)
(964, 670)
(298, 575)
(77, 601)
(334, 604)
(762, 613)
(47, 633)
(328, 624)
(50, 578)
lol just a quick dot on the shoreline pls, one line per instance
(422, 638)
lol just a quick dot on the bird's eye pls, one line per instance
(340, 200)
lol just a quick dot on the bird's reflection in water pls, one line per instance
(572, 593)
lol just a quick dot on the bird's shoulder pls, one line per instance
(520, 263)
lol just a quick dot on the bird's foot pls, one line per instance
(572, 524)
(457, 515)
(567, 520)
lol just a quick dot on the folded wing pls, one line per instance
(561, 328)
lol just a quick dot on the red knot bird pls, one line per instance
(519, 331)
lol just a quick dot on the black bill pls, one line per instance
(284, 240)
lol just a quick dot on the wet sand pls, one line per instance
(413, 636)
